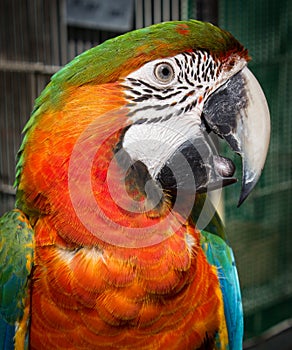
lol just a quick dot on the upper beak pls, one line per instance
(238, 112)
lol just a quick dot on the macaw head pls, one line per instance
(161, 91)
(193, 80)
(175, 102)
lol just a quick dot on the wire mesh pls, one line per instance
(260, 231)
(31, 50)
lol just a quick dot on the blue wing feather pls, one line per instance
(219, 254)
(7, 332)
(16, 259)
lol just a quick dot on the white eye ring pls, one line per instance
(164, 72)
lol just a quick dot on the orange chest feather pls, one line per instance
(159, 298)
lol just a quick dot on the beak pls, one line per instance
(238, 112)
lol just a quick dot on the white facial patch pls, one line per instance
(175, 85)
(166, 99)
(154, 143)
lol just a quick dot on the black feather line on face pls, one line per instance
(118, 146)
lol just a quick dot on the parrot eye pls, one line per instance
(164, 72)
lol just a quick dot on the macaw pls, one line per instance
(104, 249)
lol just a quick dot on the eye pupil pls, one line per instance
(164, 72)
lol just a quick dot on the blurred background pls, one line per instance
(37, 37)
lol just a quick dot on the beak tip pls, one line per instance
(241, 200)
(247, 187)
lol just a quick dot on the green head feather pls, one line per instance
(106, 62)
(118, 56)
